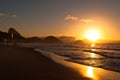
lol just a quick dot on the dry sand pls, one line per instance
(19, 63)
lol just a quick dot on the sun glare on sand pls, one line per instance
(92, 35)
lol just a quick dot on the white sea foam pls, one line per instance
(86, 71)
(105, 56)
(54, 57)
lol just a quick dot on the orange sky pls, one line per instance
(61, 18)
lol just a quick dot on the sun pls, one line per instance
(92, 35)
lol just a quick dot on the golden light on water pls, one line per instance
(90, 73)
(92, 45)
(92, 55)
(92, 35)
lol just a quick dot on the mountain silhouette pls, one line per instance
(12, 33)
(52, 39)
(3, 36)
(13, 36)
(34, 40)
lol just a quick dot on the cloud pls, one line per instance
(6, 15)
(86, 20)
(76, 19)
(70, 17)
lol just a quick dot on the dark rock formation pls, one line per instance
(34, 40)
(11, 36)
(3, 36)
(12, 33)
(52, 39)
(79, 42)
(67, 39)
(15, 37)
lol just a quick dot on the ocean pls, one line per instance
(106, 56)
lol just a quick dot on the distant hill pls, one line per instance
(13, 33)
(48, 39)
(79, 41)
(14, 36)
(52, 39)
(34, 40)
(67, 39)
(3, 36)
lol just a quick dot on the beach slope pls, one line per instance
(19, 63)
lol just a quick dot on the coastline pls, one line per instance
(21, 63)
(85, 71)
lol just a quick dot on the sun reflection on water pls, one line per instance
(92, 55)
(90, 72)
(92, 45)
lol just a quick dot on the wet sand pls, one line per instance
(20, 63)
(87, 71)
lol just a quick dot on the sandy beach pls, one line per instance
(94, 73)
(19, 63)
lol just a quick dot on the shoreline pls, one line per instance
(21, 63)
(86, 71)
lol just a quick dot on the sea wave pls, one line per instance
(83, 54)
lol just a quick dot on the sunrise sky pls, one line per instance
(61, 17)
